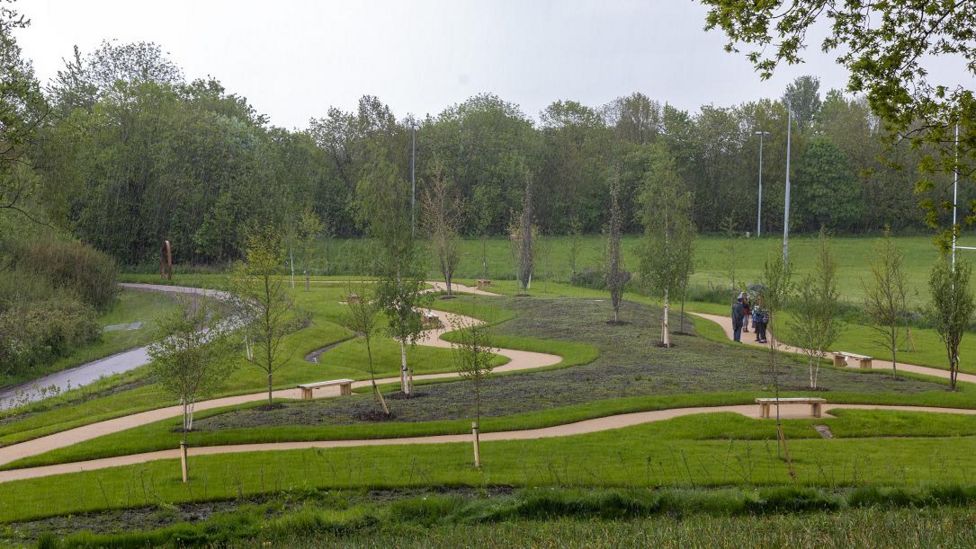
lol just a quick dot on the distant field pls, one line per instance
(553, 259)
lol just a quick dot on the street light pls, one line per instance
(786, 207)
(761, 134)
(413, 179)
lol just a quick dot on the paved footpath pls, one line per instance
(749, 339)
(519, 360)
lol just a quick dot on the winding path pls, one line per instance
(726, 323)
(518, 360)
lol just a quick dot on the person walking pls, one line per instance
(760, 317)
(746, 312)
(738, 314)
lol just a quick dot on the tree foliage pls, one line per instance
(667, 251)
(886, 48)
(442, 208)
(192, 355)
(263, 303)
(815, 309)
(952, 307)
(885, 294)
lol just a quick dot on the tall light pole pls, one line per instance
(413, 178)
(786, 207)
(761, 134)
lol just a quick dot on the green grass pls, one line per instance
(634, 457)
(547, 517)
(853, 254)
(131, 306)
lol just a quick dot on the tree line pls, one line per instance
(125, 152)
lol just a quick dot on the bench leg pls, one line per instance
(815, 409)
(840, 361)
(763, 410)
(866, 363)
(345, 390)
(306, 394)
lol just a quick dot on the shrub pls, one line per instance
(42, 331)
(69, 266)
(589, 278)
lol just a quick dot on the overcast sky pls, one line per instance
(293, 59)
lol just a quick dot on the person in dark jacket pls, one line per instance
(738, 314)
(760, 317)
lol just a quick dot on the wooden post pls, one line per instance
(477, 445)
(186, 475)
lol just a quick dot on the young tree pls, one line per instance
(442, 207)
(669, 232)
(575, 244)
(473, 356)
(616, 276)
(952, 308)
(885, 295)
(383, 208)
(521, 234)
(816, 306)
(362, 317)
(192, 355)
(307, 232)
(730, 247)
(776, 293)
(263, 301)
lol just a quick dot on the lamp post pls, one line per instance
(761, 134)
(786, 206)
(413, 179)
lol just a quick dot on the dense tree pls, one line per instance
(22, 110)
(827, 193)
(886, 47)
(802, 98)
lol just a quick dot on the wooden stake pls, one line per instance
(186, 475)
(477, 445)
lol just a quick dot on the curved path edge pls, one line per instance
(791, 411)
(517, 360)
(726, 324)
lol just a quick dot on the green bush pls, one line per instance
(33, 333)
(67, 266)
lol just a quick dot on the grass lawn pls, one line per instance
(628, 373)
(131, 306)
(646, 456)
(553, 261)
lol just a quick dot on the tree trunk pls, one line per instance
(270, 401)
(447, 279)
(291, 259)
(665, 328)
(372, 379)
(404, 377)
(308, 281)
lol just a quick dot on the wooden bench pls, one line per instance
(345, 387)
(430, 320)
(815, 404)
(840, 359)
(352, 298)
(482, 283)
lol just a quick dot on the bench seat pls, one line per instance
(814, 402)
(345, 387)
(840, 359)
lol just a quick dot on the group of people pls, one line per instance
(742, 311)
